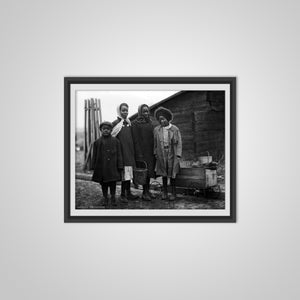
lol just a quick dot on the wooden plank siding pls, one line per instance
(200, 116)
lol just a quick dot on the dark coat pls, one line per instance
(143, 143)
(126, 141)
(107, 160)
(172, 160)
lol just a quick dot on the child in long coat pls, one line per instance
(123, 132)
(142, 129)
(107, 162)
(167, 149)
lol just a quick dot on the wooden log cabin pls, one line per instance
(200, 116)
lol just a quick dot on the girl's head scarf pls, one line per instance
(119, 126)
(140, 118)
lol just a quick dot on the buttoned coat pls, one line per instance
(126, 142)
(175, 151)
(143, 140)
(107, 160)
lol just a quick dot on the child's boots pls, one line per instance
(146, 194)
(123, 189)
(129, 195)
(105, 201)
(165, 189)
(173, 195)
(113, 201)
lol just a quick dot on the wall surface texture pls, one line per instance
(43, 258)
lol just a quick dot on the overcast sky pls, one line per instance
(111, 99)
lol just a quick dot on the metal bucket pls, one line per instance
(140, 174)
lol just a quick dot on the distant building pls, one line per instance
(200, 116)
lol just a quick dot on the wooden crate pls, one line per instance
(199, 178)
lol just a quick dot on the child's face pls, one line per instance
(124, 111)
(163, 121)
(145, 112)
(106, 130)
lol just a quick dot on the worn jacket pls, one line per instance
(143, 140)
(107, 160)
(126, 141)
(175, 151)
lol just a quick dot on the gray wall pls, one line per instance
(43, 258)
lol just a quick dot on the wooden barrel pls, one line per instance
(200, 178)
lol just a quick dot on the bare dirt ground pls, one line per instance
(89, 195)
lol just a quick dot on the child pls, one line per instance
(122, 130)
(107, 162)
(142, 129)
(167, 149)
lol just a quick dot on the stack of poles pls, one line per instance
(92, 120)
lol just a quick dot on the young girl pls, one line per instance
(167, 149)
(107, 162)
(142, 129)
(122, 130)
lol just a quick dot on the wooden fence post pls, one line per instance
(96, 120)
(85, 129)
(92, 120)
(99, 111)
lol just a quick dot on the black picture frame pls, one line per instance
(69, 81)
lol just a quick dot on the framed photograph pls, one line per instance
(150, 149)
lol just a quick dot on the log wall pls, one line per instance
(200, 116)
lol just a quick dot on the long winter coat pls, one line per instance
(107, 160)
(126, 141)
(143, 139)
(175, 149)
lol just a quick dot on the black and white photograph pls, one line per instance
(142, 149)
